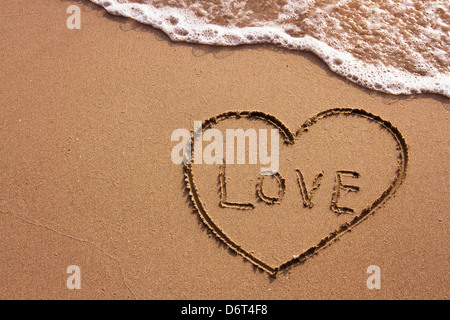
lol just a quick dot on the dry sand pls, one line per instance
(86, 177)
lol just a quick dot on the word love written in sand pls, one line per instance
(306, 194)
(333, 172)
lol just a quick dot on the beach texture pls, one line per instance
(86, 177)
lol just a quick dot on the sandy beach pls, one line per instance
(86, 176)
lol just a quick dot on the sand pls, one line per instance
(86, 118)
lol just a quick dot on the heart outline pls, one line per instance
(290, 138)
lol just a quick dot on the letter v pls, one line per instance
(307, 196)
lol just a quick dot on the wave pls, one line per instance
(397, 47)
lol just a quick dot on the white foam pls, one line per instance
(181, 24)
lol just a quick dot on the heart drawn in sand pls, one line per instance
(317, 202)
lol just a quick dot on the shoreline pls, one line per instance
(85, 125)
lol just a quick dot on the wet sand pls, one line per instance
(86, 118)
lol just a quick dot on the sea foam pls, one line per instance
(397, 47)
